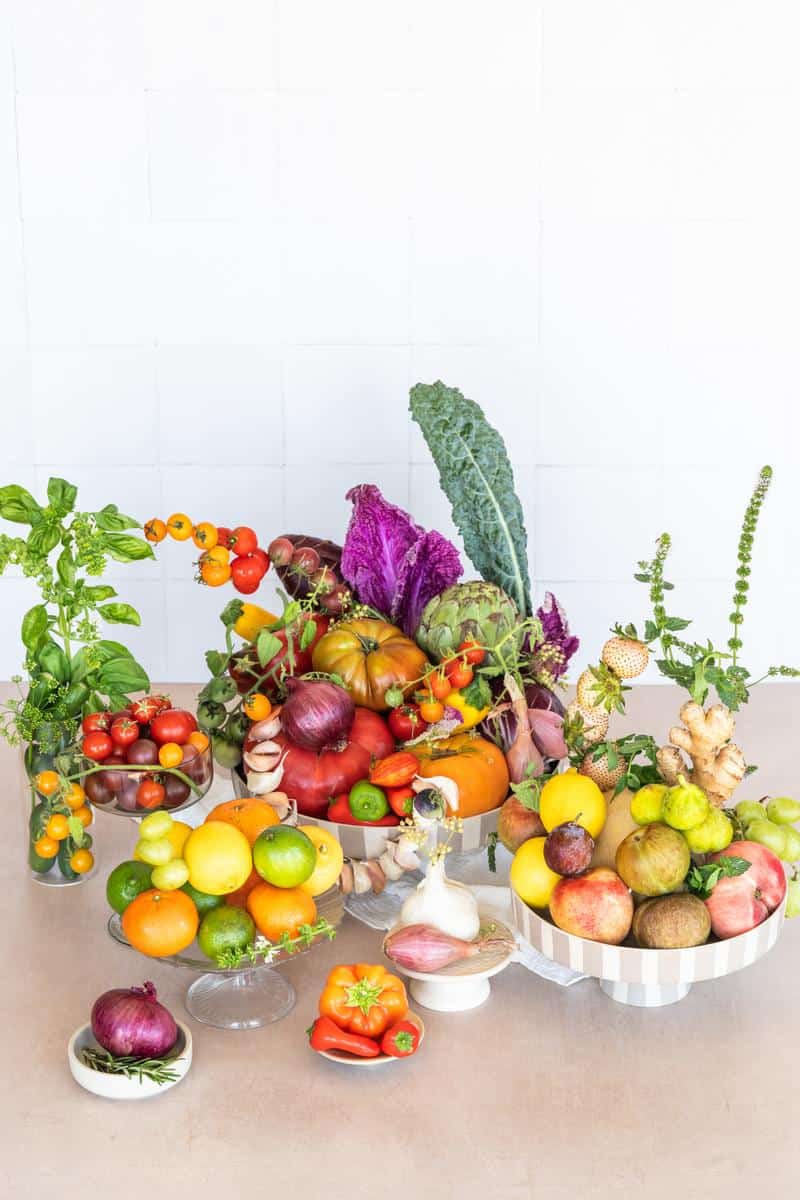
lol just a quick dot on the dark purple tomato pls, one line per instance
(142, 753)
(97, 789)
(177, 792)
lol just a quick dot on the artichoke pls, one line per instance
(477, 610)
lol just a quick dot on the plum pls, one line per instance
(568, 849)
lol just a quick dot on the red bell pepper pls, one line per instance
(325, 1034)
(400, 800)
(339, 811)
(401, 1040)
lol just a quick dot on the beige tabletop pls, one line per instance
(543, 1092)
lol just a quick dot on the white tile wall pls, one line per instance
(233, 233)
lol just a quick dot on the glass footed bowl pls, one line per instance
(249, 995)
(113, 789)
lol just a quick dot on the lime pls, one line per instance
(126, 882)
(155, 851)
(157, 825)
(284, 856)
(171, 876)
(225, 928)
(202, 901)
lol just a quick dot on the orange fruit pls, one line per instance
(160, 923)
(239, 897)
(250, 815)
(280, 910)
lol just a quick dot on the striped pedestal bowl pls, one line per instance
(362, 842)
(646, 978)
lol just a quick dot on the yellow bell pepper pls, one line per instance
(252, 620)
(470, 715)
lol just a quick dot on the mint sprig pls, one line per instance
(701, 881)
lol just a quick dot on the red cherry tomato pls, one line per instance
(471, 652)
(460, 674)
(172, 725)
(262, 557)
(224, 536)
(246, 573)
(97, 746)
(145, 709)
(243, 539)
(150, 794)
(124, 731)
(98, 722)
(400, 800)
(438, 684)
(406, 723)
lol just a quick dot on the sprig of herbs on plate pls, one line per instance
(70, 669)
(268, 952)
(156, 1069)
(702, 880)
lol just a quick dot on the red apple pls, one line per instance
(596, 905)
(740, 902)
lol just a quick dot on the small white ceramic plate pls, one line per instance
(353, 1060)
(119, 1087)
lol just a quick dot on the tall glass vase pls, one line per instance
(53, 748)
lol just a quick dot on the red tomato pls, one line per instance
(400, 800)
(124, 731)
(150, 794)
(262, 557)
(247, 673)
(471, 652)
(459, 674)
(121, 712)
(224, 536)
(97, 745)
(243, 540)
(96, 722)
(172, 725)
(406, 723)
(313, 778)
(246, 573)
(145, 709)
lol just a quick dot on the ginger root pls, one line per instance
(718, 765)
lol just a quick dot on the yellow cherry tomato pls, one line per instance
(170, 755)
(257, 707)
(75, 797)
(155, 530)
(217, 554)
(179, 526)
(46, 847)
(199, 740)
(57, 827)
(431, 711)
(84, 815)
(205, 535)
(47, 782)
(214, 574)
(82, 861)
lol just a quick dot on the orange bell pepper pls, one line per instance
(363, 999)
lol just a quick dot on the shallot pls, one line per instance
(425, 948)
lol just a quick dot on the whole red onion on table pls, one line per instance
(132, 1022)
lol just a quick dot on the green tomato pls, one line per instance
(226, 752)
(157, 852)
(367, 802)
(793, 898)
(171, 876)
(156, 825)
(211, 715)
(783, 810)
(749, 810)
(791, 848)
(220, 691)
(768, 834)
(237, 728)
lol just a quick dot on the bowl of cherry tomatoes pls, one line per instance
(146, 757)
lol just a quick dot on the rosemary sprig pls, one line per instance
(267, 952)
(156, 1069)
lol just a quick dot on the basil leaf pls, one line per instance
(44, 538)
(99, 593)
(267, 646)
(17, 504)
(476, 476)
(34, 626)
(120, 614)
(124, 547)
(65, 567)
(61, 495)
(112, 520)
(122, 675)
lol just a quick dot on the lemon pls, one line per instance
(531, 878)
(330, 859)
(218, 857)
(572, 797)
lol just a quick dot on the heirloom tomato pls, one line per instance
(371, 656)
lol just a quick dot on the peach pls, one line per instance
(516, 824)
(739, 903)
(596, 905)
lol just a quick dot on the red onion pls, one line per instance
(316, 713)
(130, 1021)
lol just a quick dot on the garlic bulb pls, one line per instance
(443, 903)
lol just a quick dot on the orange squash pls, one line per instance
(475, 764)
(370, 656)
